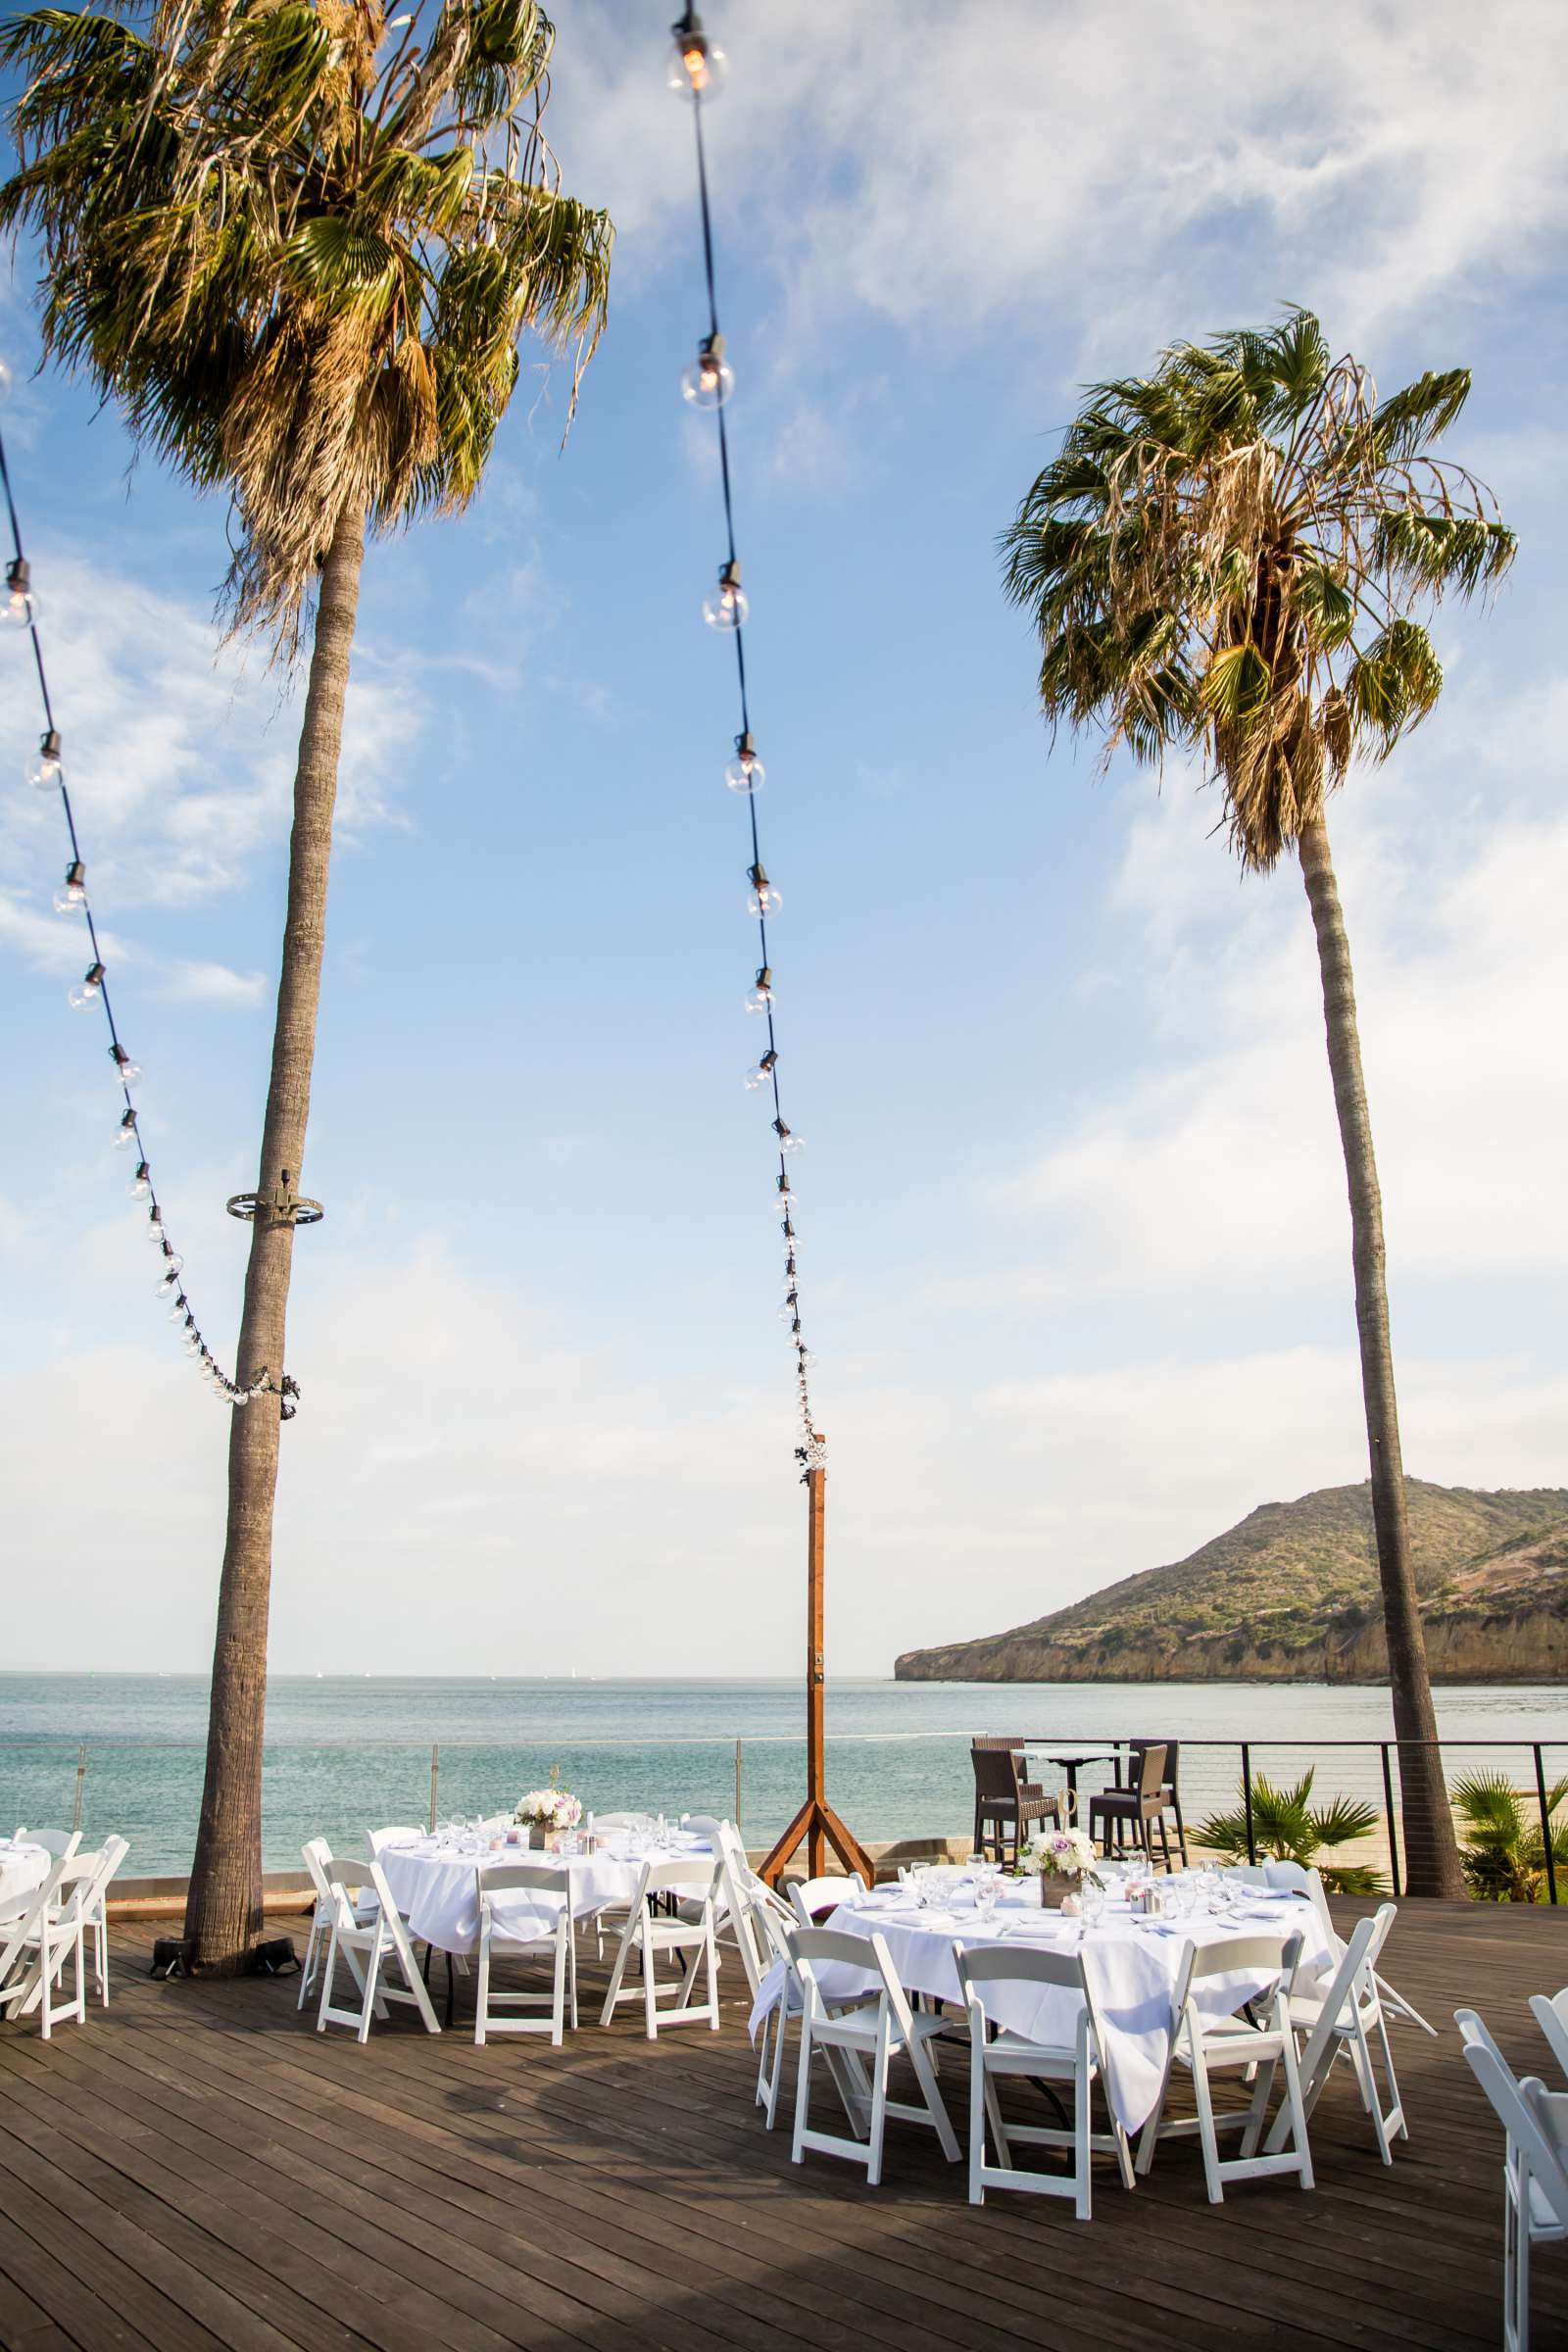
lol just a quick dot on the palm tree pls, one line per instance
(1227, 557)
(299, 247)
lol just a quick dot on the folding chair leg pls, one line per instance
(978, 2087)
(482, 1993)
(712, 1976)
(1207, 2132)
(1081, 2158)
(803, 2089)
(371, 1976)
(930, 2091)
(650, 1995)
(879, 2103)
(618, 1972)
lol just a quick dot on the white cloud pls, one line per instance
(923, 164)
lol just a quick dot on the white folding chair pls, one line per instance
(1341, 2023)
(704, 1825)
(1552, 2016)
(1296, 1878)
(318, 1853)
(53, 1934)
(369, 1947)
(872, 2032)
(1232, 2045)
(20, 1946)
(526, 1928)
(1535, 2168)
(811, 1900)
(59, 1844)
(772, 1923)
(615, 1916)
(648, 1934)
(994, 2051)
(113, 1854)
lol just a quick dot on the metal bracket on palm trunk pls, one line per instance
(283, 1205)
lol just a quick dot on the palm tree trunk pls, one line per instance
(224, 1908)
(1432, 1856)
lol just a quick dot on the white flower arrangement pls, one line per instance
(1059, 1854)
(550, 1809)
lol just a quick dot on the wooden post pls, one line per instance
(817, 1820)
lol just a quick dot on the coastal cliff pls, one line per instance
(1290, 1594)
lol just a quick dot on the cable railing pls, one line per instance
(901, 1787)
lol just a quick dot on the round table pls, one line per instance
(1131, 1966)
(23, 1869)
(435, 1885)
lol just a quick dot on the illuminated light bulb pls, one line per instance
(239, 1396)
(745, 772)
(87, 989)
(193, 1344)
(760, 998)
(19, 606)
(155, 1225)
(788, 1140)
(170, 1282)
(141, 1184)
(710, 379)
(725, 607)
(71, 896)
(764, 901)
(45, 773)
(125, 1131)
(697, 69)
(127, 1071)
(762, 1074)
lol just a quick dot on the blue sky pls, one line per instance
(1076, 1255)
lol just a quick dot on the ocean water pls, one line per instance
(346, 1754)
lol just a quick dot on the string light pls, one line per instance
(19, 609)
(696, 72)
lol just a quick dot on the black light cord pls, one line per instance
(228, 1389)
(809, 1451)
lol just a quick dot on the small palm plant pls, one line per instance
(1505, 1853)
(1288, 1829)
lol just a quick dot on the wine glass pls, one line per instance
(1092, 1900)
(985, 1901)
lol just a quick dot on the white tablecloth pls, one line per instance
(22, 1868)
(437, 1888)
(1131, 1967)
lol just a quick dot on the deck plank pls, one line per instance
(199, 2167)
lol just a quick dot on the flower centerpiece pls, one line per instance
(549, 1811)
(1059, 1854)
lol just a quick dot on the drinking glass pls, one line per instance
(985, 1901)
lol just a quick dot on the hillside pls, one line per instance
(1291, 1593)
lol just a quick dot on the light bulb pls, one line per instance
(788, 1140)
(725, 607)
(697, 69)
(20, 606)
(141, 1184)
(710, 379)
(87, 989)
(127, 1071)
(154, 1227)
(765, 901)
(756, 1078)
(125, 1131)
(71, 895)
(239, 1396)
(170, 1280)
(193, 1344)
(760, 998)
(790, 1311)
(45, 773)
(745, 772)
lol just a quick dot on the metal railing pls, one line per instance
(888, 1786)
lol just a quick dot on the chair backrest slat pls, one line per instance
(1528, 2122)
(811, 1900)
(697, 1874)
(1552, 2016)
(1147, 1771)
(990, 1964)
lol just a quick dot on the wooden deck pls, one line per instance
(198, 2167)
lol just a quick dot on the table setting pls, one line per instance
(433, 1878)
(1130, 1930)
(24, 1868)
